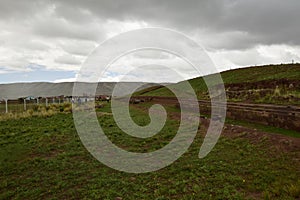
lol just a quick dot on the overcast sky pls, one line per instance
(43, 40)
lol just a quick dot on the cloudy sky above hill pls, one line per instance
(43, 40)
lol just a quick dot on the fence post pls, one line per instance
(59, 101)
(24, 104)
(46, 102)
(53, 101)
(6, 106)
(37, 101)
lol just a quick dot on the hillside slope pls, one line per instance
(278, 84)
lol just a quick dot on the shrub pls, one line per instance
(39, 110)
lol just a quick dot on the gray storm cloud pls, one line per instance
(264, 21)
(44, 31)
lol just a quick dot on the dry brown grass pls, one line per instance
(39, 110)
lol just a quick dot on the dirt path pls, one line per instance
(279, 143)
(280, 116)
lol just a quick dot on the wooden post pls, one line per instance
(6, 106)
(46, 102)
(24, 103)
(37, 101)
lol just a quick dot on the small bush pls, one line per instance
(293, 190)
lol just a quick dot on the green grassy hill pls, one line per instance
(278, 84)
(261, 73)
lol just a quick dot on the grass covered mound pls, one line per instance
(279, 84)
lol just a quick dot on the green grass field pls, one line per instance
(43, 158)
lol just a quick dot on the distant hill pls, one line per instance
(278, 84)
(260, 84)
(44, 89)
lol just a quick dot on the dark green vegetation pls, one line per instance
(42, 157)
(279, 84)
